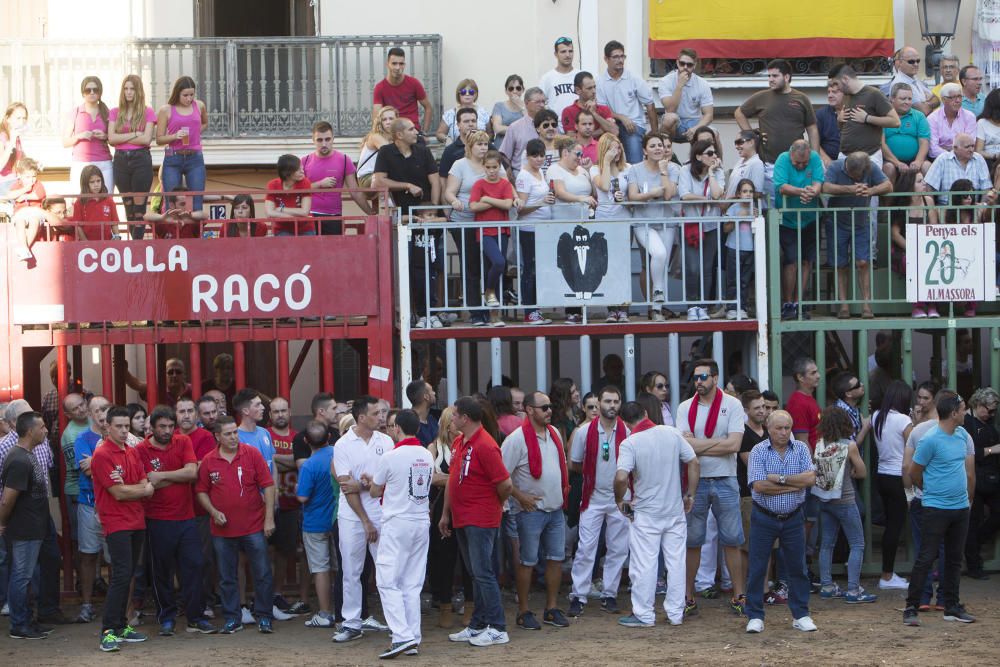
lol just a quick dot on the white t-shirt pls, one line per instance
(990, 134)
(731, 420)
(607, 207)
(890, 444)
(406, 473)
(696, 94)
(687, 184)
(653, 457)
(917, 434)
(537, 189)
(559, 91)
(604, 472)
(752, 169)
(355, 457)
(741, 232)
(576, 184)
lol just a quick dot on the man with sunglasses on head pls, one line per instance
(594, 454)
(535, 459)
(907, 63)
(687, 99)
(713, 423)
(559, 84)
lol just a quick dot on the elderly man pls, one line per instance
(950, 64)
(853, 181)
(973, 97)
(687, 99)
(961, 162)
(779, 472)
(176, 385)
(798, 180)
(907, 63)
(950, 120)
(905, 148)
(522, 130)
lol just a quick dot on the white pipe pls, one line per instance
(760, 301)
(405, 345)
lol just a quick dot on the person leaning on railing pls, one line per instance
(491, 200)
(739, 248)
(173, 216)
(131, 126)
(93, 214)
(327, 168)
(702, 181)
(288, 210)
(574, 192)
(610, 185)
(536, 204)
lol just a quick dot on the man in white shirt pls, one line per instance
(630, 99)
(403, 481)
(907, 63)
(594, 454)
(359, 516)
(557, 84)
(687, 99)
(649, 461)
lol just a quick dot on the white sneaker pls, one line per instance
(247, 616)
(436, 322)
(693, 314)
(372, 623)
(464, 635)
(280, 615)
(658, 296)
(6, 610)
(208, 613)
(421, 323)
(489, 637)
(805, 624)
(318, 621)
(894, 582)
(736, 314)
(703, 314)
(755, 625)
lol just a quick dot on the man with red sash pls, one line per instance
(536, 461)
(713, 423)
(594, 454)
(649, 462)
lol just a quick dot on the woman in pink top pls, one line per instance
(179, 124)
(86, 132)
(14, 122)
(131, 133)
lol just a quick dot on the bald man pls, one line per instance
(780, 473)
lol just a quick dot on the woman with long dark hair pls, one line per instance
(891, 426)
(503, 405)
(702, 181)
(86, 132)
(655, 383)
(179, 124)
(132, 124)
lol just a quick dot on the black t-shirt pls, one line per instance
(415, 169)
(983, 435)
(29, 519)
(750, 438)
(302, 450)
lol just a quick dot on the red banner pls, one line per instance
(196, 279)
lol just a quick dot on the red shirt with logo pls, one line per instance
(115, 514)
(287, 500)
(174, 501)
(476, 469)
(805, 415)
(202, 442)
(234, 487)
(95, 211)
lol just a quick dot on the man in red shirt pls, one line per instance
(286, 203)
(401, 91)
(805, 423)
(171, 467)
(120, 486)
(478, 485)
(236, 489)
(288, 520)
(586, 90)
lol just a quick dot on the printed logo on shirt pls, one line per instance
(564, 89)
(214, 477)
(117, 470)
(155, 463)
(420, 482)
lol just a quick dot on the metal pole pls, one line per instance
(907, 356)
(995, 357)
(768, 307)
(541, 369)
(107, 374)
(284, 380)
(62, 387)
(952, 342)
(326, 357)
(674, 370)
(195, 363)
(403, 277)
(719, 355)
(585, 370)
(152, 381)
(862, 357)
(820, 343)
(239, 364)
(451, 370)
(496, 361)
(629, 367)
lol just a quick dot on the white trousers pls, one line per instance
(616, 540)
(399, 570)
(658, 241)
(648, 537)
(352, 561)
(711, 559)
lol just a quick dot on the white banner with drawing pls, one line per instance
(950, 262)
(583, 264)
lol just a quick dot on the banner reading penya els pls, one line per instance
(950, 263)
(197, 279)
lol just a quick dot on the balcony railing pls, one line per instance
(260, 87)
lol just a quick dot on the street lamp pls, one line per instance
(938, 20)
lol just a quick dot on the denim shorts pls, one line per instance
(545, 529)
(89, 533)
(788, 239)
(843, 233)
(722, 497)
(509, 525)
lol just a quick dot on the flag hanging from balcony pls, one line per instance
(771, 28)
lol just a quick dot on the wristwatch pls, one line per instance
(781, 480)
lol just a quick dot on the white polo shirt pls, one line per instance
(355, 457)
(406, 473)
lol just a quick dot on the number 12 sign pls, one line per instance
(950, 262)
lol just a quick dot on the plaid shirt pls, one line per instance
(42, 453)
(764, 461)
(946, 169)
(854, 414)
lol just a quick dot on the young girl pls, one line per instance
(739, 248)
(491, 200)
(93, 209)
(243, 213)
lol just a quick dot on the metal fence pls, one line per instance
(260, 87)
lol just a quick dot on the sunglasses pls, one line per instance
(709, 153)
(605, 451)
(592, 407)
(857, 386)
(515, 89)
(740, 142)
(543, 408)
(701, 377)
(579, 153)
(468, 91)
(661, 385)
(92, 90)
(563, 40)
(913, 62)
(681, 63)
(547, 125)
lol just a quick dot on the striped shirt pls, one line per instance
(764, 461)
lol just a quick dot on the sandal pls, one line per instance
(844, 314)
(867, 314)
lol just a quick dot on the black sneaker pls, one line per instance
(575, 608)
(977, 574)
(959, 614)
(555, 617)
(528, 621)
(609, 605)
(298, 609)
(26, 633)
(910, 617)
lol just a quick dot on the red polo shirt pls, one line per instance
(203, 442)
(234, 489)
(805, 415)
(174, 501)
(287, 500)
(476, 469)
(117, 515)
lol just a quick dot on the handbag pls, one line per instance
(693, 231)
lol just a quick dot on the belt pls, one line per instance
(131, 150)
(182, 151)
(716, 478)
(775, 515)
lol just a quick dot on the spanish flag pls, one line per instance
(771, 28)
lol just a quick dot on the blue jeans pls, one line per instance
(542, 535)
(764, 530)
(846, 516)
(632, 141)
(189, 167)
(477, 547)
(495, 256)
(24, 558)
(721, 495)
(176, 545)
(227, 555)
(916, 516)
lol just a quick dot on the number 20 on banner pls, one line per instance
(950, 263)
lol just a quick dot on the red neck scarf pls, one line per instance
(713, 414)
(408, 442)
(535, 454)
(644, 425)
(590, 458)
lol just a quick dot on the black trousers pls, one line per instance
(981, 529)
(939, 526)
(124, 547)
(133, 172)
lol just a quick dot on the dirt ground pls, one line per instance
(848, 635)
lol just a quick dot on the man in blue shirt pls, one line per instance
(947, 475)
(90, 536)
(250, 412)
(318, 492)
(827, 124)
